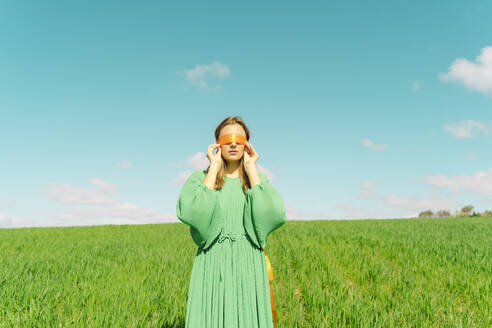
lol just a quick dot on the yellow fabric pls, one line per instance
(272, 299)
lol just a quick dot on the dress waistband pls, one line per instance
(231, 236)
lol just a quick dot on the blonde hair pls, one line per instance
(219, 181)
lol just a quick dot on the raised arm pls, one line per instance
(264, 211)
(197, 207)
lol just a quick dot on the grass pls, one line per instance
(360, 273)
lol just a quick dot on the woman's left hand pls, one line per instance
(250, 160)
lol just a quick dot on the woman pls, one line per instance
(231, 209)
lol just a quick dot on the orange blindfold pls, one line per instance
(239, 139)
(229, 138)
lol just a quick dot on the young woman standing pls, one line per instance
(231, 209)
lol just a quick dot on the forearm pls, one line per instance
(253, 176)
(211, 177)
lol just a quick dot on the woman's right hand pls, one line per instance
(215, 159)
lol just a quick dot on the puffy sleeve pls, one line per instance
(197, 206)
(264, 211)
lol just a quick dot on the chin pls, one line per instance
(233, 159)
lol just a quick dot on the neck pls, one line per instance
(232, 168)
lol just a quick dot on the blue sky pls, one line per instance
(358, 109)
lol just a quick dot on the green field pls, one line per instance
(360, 273)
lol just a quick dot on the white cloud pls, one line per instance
(5, 220)
(471, 156)
(120, 213)
(65, 193)
(417, 85)
(115, 213)
(475, 76)
(103, 185)
(468, 129)
(182, 176)
(125, 165)
(10, 221)
(269, 174)
(201, 75)
(198, 161)
(367, 189)
(350, 211)
(302, 214)
(368, 143)
(412, 206)
(479, 182)
(10, 202)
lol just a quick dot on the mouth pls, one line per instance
(233, 152)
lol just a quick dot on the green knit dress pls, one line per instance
(229, 286)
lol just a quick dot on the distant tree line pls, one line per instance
(465, 211)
